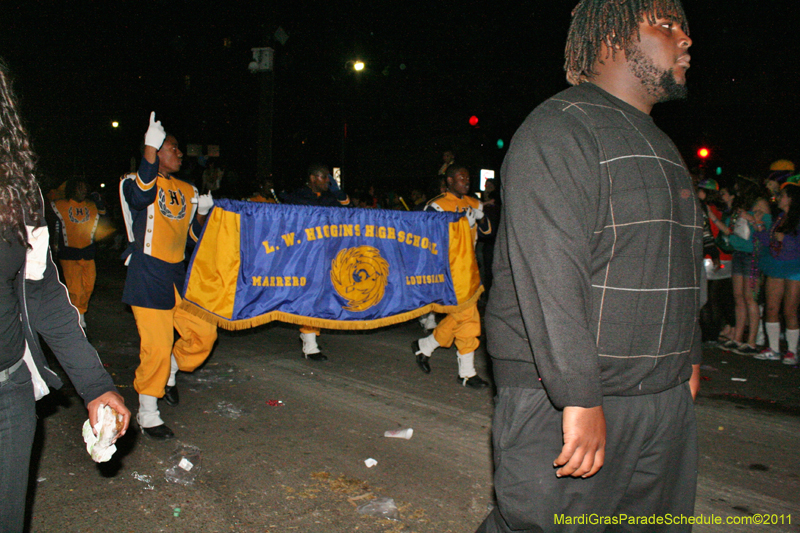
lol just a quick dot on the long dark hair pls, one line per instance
(791, 221)
(747, 193)
(722, 205)
(19, 192)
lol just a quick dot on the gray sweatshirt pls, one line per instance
(598, 255)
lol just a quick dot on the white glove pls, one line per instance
(474, 215)
(204, 203)
(155, 133)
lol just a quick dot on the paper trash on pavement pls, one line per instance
(400, 433)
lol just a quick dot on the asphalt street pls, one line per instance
(279, 443)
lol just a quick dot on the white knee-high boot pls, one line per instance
(309, 343)
(428, 321)
(173, 370)
(148, 415)
(428, 344)
(466, 365)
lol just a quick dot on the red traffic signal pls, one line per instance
(703, 153)
(473, 120)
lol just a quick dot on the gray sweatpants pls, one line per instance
(650, 467)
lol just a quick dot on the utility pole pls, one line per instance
(262, 64)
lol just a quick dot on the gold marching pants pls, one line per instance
(463, 327)
(79, 277)
(156, 332)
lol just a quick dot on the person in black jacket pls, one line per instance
(320, 190)
(33, 302)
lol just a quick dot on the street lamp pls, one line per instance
(355, 64)
(358, 66)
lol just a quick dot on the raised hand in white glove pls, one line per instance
(204, 203)
(155, 133)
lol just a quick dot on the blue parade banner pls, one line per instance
(330, 267)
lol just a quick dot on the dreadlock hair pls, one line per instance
(19, 192)
(615, 23)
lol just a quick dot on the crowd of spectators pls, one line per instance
(752, 263)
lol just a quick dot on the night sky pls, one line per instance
(80, 65)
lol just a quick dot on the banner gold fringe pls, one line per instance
(358, 325)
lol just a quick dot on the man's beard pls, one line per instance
(658, 83)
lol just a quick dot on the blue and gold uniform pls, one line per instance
(77, 225)
(463, 327)
(451, 203)
(160, 218)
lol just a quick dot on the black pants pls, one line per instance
(17, 428)
(719, 311)
(650, 464)
(488, 260)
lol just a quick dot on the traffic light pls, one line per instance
(473, 120)
(500, 143)
(703, 153)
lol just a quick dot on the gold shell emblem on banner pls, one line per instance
(359, 275)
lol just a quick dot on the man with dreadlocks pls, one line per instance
(592, 321)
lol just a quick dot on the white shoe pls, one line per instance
(768, 355)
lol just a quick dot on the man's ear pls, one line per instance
(609, 50)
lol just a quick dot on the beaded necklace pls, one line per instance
(775, 246)
(755, 274)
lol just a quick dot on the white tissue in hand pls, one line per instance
(101, 447)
